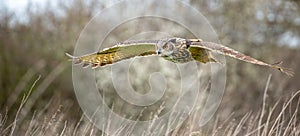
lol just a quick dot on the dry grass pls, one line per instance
(277, 119)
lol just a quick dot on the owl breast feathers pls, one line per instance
(177, 50)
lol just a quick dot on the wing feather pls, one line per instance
(221, 49)
(116, 53)
(201, 54)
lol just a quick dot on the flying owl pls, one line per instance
(177, 50)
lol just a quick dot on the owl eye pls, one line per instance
(165, 46)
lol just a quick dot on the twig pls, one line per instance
(264, 103)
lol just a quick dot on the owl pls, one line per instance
(177, 50)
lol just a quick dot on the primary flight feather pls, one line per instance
(177, 50)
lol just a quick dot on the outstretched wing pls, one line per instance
(122, 51)
(201, 54)
(221, 49)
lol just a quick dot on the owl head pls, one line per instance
(167, 47)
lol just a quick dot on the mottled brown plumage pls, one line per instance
(117, 53)
(177, 50)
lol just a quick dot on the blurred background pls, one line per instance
(35, 34)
